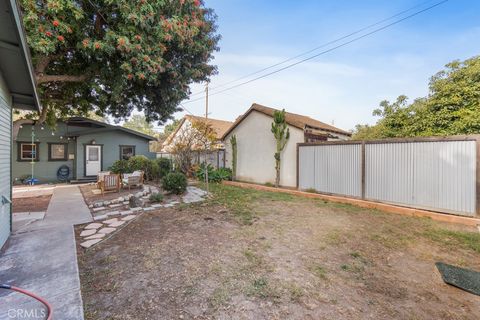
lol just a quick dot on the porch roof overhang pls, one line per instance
(15, 62)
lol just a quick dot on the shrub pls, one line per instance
(156, 197)
(220, 174)
(175, 182)
(164, 166)
(214, 175)
(138, 163)
(120, 167)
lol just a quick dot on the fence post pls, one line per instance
(477, 182)
(362, 163)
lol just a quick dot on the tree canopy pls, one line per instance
(451, 107)
(115, 56)
(139, 123)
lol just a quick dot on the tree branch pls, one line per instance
(60, 78)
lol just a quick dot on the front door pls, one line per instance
(93, 160)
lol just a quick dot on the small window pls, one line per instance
(126, 152)
(28, 151)
(57, 152)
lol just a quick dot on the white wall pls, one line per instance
(256, 148)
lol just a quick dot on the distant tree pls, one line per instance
(139, 123)
(190, 140)
(116, 56)
(282, 134)
(451, 107)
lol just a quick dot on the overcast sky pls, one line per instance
(345, 85)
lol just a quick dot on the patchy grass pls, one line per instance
(240, 200)
(288, 258)
(452, 239)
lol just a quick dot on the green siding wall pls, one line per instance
(5, 163)
(44, 170)
(111, 141)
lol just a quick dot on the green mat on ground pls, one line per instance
(464, 279)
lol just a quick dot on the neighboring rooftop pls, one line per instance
(219, 126)
(293, 119)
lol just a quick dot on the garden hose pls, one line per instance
(30, 294)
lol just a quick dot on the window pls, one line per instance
(126, 152)
(28, 151)
(57, 152)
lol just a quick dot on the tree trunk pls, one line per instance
(277, 169)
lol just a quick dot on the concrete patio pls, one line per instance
(41, 258)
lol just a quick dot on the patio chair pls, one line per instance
(100, 176)
(110, 183)
(133, 179)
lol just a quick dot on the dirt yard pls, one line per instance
(256, 255)
(28, 204)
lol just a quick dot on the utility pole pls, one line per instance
(206, 136)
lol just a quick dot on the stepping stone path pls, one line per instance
(111, 222)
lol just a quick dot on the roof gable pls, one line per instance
(81, 121)
(219, 126)
(293, 119)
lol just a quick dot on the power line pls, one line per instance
(316, 48)
(325, 51)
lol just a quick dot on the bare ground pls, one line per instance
(28, 204)
(259, 255)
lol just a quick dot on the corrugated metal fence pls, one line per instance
(438, 174)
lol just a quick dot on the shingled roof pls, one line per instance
(293, 119)
(219, 126)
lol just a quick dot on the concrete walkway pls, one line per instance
(42, 258)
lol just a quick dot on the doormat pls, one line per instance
(464, 279)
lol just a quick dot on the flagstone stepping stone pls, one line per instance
(95, 236)
(157, 205)
(128, 218)
(106, 230)
(93, 226)
(86, 233)
(116, 224)
(113, 213)
(98, 209)
(148, 209)
(136, 209)
(126, 202)
(115, 205)
(110, 220)
(125, 213)
(87, 244)
(100, 217)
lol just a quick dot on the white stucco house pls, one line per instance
(256, 144)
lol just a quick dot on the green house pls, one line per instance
(77, 149)
(17, 90)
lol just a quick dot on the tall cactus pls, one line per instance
(233, 142)
(282, 134)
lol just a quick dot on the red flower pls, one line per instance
(48, 33)
(69, 30)
(56, 23)
(141, 76)
(196, 3)
(85, 43)
(97, 45)
(61, 38)
(130, 76)
(138, 37)
(146, 58)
